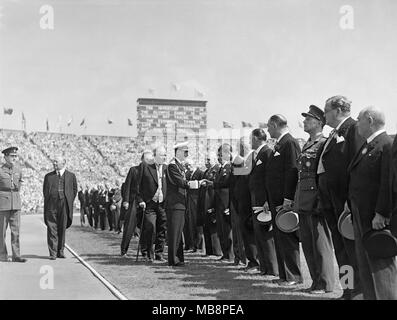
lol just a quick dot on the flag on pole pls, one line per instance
(198, 93)
(246, 124)
(23, 122)
(47, 125)
(129, 122)
(110, 121)
(262, 125)
(151, 91)
(82, 122)
(175, 86)
(8, 111)
(227, 125)
(70, 121)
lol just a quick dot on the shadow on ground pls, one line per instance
(203, 277)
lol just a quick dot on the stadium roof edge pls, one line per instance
(169, 102)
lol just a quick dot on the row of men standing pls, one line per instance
(101, 206)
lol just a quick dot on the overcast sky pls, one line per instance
(250, 58)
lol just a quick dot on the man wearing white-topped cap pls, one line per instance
(176, 203)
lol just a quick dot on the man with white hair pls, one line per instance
(60, 190)
(371, 204)
(151, 197)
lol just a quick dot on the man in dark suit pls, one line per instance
(129, 207)
(59, 190)
(257, 187)
(206, 209)
(88, 205)
(335, 157)
(152, 193)
(241, 198)
(176, 203)
(191, 224)
(95, 205)
(221, 186)
(371, 203)
(81, 198)
(108, 194)
(103, 220)
(281, 179)
(314, 233)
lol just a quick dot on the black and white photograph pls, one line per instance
(198, 154)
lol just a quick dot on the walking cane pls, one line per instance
(140, 234)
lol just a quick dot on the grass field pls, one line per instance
(201, 278)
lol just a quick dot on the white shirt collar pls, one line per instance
(375, 134)
(340, 124)
(62, 171)
(280, 137)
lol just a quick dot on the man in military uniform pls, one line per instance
(10, 204)
(313, 228)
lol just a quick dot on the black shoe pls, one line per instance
(19, 259)
(179, 264)
(148, 260)
(159, 258)
(61, 255)
(53, 258)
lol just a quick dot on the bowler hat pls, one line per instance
(264, 217)
(345, 225)
(315, 112)
(287, 220)
(380, 243)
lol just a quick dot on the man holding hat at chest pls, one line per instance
(313, 228)
(371, 203)
(10, 204)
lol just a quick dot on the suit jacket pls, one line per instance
(149, 183)
(222, 184)
(257, 177)
(131, 184)
(282, 171)
(70, 189)
(206, 193)
(10, 184)
(337, 156)
(81, 198)
(176, 186)
(88, 198)
(370, 181)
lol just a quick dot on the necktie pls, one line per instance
(159, 177)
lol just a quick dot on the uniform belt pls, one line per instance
(8, 190)
(306, 175)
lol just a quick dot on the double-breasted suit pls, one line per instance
(370, 192)
(222, 183)
(59, 193)
(206, 210)
(152, 190)
(175, 207)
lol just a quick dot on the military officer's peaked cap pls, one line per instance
(181, 145)
(10, 150)
(315, 112)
